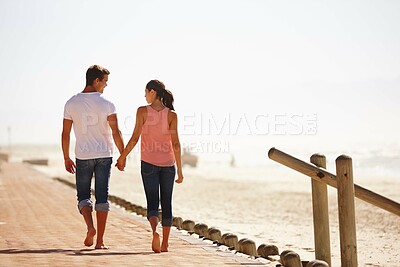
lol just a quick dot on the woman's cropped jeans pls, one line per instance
(158, 184)
(101, 168)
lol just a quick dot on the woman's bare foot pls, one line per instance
(100, 246)
(155, 245)
(164, 247)
(89, 237)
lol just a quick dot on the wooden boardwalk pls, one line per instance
(41, 226)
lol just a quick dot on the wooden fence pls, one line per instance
(347, 190)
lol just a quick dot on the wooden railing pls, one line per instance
(343, 181)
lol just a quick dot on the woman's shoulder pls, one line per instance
(141, 112)
(172, 115)
(142, 109)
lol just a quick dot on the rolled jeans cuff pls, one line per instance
(151, 213)
(102, 207)
(84, 203)
(166, 222)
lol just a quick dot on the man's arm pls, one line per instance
(65, 141)
(116, 133)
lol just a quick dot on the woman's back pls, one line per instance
(156, 146)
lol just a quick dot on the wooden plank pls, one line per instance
(322, 175)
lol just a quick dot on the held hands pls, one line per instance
(69, 166)
(121, 163)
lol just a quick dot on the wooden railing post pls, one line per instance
(347, 221)
(320, 213)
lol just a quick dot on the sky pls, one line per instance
(273, 72)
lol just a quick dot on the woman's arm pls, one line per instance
(140, 119)
(176, 145)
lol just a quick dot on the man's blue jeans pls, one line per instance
(158, 183)
(101, 168)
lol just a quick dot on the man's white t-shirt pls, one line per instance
(89, 112)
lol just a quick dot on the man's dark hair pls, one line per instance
(94, 72)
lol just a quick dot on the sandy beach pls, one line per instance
(284, 218)
(277, 210)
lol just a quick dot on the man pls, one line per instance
(95, 120)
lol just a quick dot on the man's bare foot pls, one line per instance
(164, 247)
(101, 246)
(156, 243)
(89, 237)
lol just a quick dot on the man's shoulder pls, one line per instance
(98, 98)
(72, 99)
(92, 100)
(106, 100)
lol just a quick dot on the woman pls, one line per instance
(160, 150)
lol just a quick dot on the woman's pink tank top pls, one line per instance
(156, 147)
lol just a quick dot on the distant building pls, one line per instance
(189, 159)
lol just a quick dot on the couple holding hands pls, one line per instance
(95, 125)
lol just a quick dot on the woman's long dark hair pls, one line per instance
(163, 94)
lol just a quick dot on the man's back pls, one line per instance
(89, 112)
